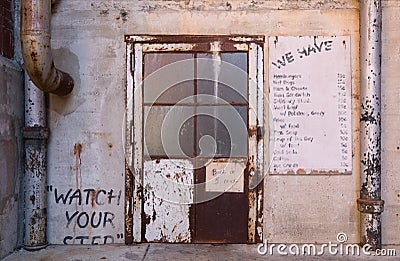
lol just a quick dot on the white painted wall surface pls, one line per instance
(88, 42)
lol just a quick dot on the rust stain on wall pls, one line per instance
(109, 146)
(93, 194)
(78, 148)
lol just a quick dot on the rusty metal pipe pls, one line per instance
(370, 203)
(35, 135)
(36, 51)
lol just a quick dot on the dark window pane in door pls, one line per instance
(225, 77)
(234, 76)
(168, 77)
(221, 131)
(169, 131)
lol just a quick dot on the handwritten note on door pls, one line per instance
(225, 176)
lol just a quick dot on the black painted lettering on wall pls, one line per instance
(98, 202)
(93, 240)
(88, 193)
(108, 218)
(286, 59)
(93, 221)
(88, 196)
(70, 217)
(92, 218)
(303, 52)
(62, 197)
(310, 99)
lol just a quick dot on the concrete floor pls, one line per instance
(176, 252)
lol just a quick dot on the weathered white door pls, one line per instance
(195, 139)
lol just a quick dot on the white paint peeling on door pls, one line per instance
(168, 190)
(156, 47)
(137, 141)
(260, 143)
(241, 47)
(245, 39)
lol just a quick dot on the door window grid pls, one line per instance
(199, 132)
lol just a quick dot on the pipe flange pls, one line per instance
(35, 133)
(35, 248)
(370, 206)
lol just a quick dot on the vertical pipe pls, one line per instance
(370, 204)
(35, 135)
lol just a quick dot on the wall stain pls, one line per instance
(78, 148)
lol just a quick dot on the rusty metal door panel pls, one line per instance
(223, 219)
(168, 190)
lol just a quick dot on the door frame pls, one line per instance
(135, 46)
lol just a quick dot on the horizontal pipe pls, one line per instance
(36, 51)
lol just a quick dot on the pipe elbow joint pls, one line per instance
(54, 81)
(36, 51)
(66, 84)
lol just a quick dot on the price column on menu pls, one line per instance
(310, 102)
(343, 120)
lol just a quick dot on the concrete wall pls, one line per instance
(86, 155)
(11, 143)
(11, 151)
(391, 122)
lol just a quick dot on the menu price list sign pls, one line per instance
(310, 99)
